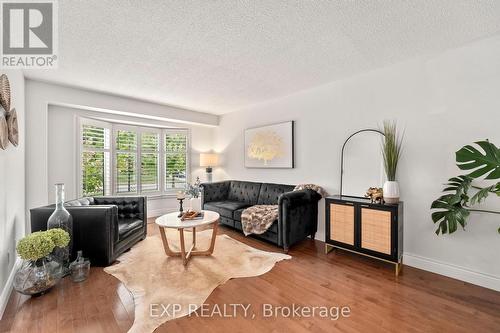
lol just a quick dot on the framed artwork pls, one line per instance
(270, 146)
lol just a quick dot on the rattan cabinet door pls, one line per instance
(376, 230)
(342, 223)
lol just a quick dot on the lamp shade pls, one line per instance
(209, 159)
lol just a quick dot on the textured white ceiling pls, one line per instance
(219, 56)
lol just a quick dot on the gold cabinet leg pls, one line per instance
(399, 266)
(328, 248)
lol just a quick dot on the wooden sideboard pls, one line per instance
(375, 230)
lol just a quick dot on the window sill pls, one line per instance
(160, 196)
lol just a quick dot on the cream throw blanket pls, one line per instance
(321, 191)
(257, 219)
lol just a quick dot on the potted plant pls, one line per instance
(454, 207)
(194, 190)
(391, 152)
(38, 274)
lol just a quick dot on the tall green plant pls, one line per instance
(454, 207)
(391, 148)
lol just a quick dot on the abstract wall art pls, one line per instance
(270, 146)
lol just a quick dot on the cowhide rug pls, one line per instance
(154, 278)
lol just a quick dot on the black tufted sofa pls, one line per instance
(103, 227)
(297, 214)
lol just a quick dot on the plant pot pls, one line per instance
(195, 204)
(391, 192)
(35, 278)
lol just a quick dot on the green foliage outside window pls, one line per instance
(93, 165)
(93, 173)
(126, 161)
(175, 160)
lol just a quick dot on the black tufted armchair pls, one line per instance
(297, 214)
(103, 227)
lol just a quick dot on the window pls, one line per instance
(95, 160)
(175, 160)
(126, 157)
(137, 160)
(150, 151)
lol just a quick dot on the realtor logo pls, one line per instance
(29, 34)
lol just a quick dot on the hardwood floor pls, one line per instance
(416, 301)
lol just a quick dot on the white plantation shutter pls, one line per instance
(176, 159)
(95, 160)
(126, 161)
(120, 159)
(150, 151)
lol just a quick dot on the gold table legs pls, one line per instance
(191, 252)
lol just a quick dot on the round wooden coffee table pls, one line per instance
(172, 221)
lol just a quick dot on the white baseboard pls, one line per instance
(159, 212)
(7, 290)
(453, 271)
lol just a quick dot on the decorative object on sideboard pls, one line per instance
(270, 146)
(343, 152)
(37, 273)
(62, 219)
(80, 268)
(180, 197)
(391, 152)
(194, 190)
(454, 207)
(209, 160)
(375, 194)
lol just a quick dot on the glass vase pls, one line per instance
(80, 268)
(61, 218)
(35, 278)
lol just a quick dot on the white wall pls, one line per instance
(62, 147)
(44, 138)
(444, 102)
(12, 191)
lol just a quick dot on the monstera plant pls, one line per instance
(483, 167)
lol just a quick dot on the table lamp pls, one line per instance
(209, 160)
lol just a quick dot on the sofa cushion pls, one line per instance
(86, 201)
(225, 208)
(237, 214)
(127, 226)
(247, 192)
(72, 203)
(269, 193)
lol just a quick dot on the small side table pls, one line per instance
(172, 221)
